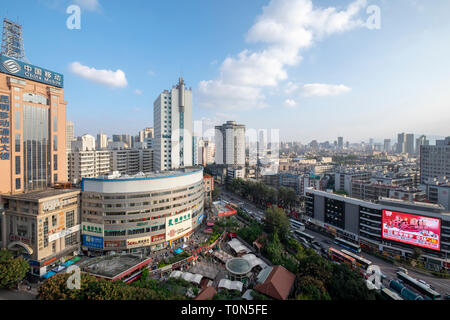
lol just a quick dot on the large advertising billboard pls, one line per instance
(177, 226)
(412, 229)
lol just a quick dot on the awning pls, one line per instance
(68, 263)
(178, 250)
(48, 275)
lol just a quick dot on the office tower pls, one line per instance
(435, 160)
(340, 143)
(102, 141)
(409, 144)
(195, 144)
(128, 140)
(387, 145)
(401, 143)
(173, 128)
(146, 134)
(421, 141)
(371, 141)
(230, 144)
(117, 138)
(32, 127)
(210, 149)
(69, 135)
(84, 143)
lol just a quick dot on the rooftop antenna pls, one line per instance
(12, 41)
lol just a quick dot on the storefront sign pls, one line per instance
(27, 71)
(158, 237)
(113, 244)
(92, 229)
(92, 241)
(63, 233)
(177, 226)
(138, 242)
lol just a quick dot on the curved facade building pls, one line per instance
(143, 212)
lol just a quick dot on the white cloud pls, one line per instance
(290, 103)
(138, 92)
(151, 73)
(90, 5)
(322, 89)
(285, 27)
(114, 79)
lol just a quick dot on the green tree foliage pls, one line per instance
(250, 233)
(92, 288)
(310, 288)
(276, 221)
(12, 270)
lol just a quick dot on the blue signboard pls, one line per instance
(200, 218)
(27, 71)
(92, 241)
(4, 128)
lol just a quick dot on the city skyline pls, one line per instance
(318, 98)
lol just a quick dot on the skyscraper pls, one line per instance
(421, 141)
(401, 143)
(173, 128)
(340, 143)
(387, 145)
(230, 144)
(32, 127)
(102, 141)
(435, 160)
(409, 144)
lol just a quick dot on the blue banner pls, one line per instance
(27, 71)
(92, 241)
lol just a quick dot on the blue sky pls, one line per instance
(309, 68)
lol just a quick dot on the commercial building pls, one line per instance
(84, 143)
(172, 114)
(438, 191)
(391, 227)
(102, 141)
(435, 160)
(143, 212)
(32, 127)
(44, 226)
(230, 144)
(344, 177)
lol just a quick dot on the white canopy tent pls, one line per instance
(237, 246)
(231, 285)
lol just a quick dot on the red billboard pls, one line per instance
(412, 229)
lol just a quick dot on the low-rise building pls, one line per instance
(44, 226)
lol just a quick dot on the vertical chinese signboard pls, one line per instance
(4, 128)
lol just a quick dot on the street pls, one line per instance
(440, 285)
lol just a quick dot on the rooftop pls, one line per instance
(41, 195)
(118, 176)
(238, 266)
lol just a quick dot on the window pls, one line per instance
(55, 143)
(55, 123)
(70, 219)
(17, 142)
(55, 178)
(54, 220)
(18, 165)
(18, 186)
(55, 162)
(17, 119)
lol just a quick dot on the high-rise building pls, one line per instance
(409, 145)
(69, 135)
(173, 128)
(102, 141)
(88, 164)
(131, 161)
(421, 141)
(340, 143)
(387, 145)
(230, 144)
(32, 127)
(401, 143)
(435, 160)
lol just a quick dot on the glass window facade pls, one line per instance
(36, 147)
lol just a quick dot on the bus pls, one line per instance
(348, 245)
(420, 287)
(340, 257)
(304, 235)
(360, 261)
(390, 295)
(297, 224)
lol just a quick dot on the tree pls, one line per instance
(216, 193)
(12, 270)
(276, 221)
(315, 266)
(309, 288)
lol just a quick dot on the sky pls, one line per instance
(311, 69)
